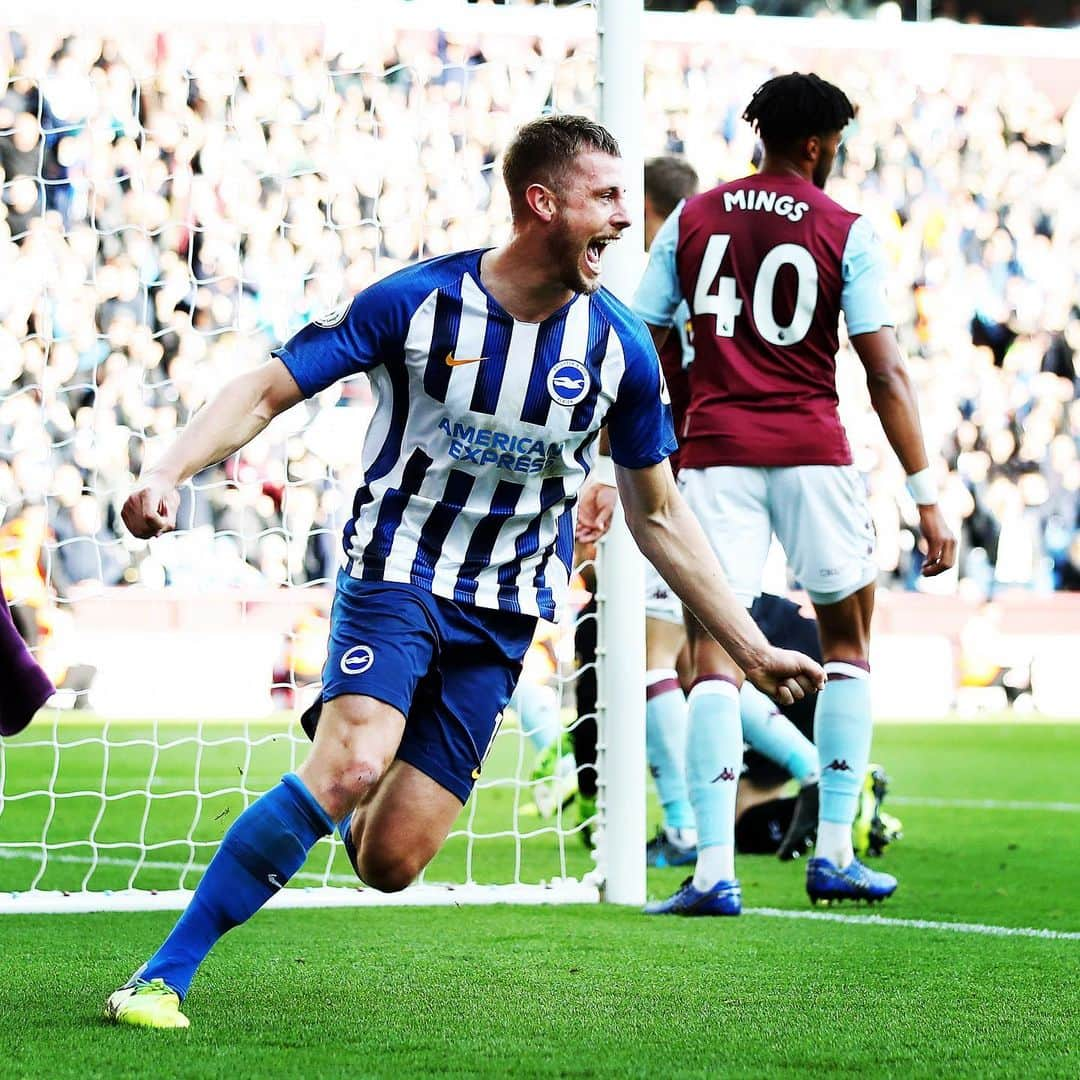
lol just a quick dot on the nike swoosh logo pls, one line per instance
(451, 362)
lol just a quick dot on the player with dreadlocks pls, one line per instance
(767, 264)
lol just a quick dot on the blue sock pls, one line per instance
(842, 729)
(344, 830)
(263, 848)
(714, 751)
(772, 734)
(538, 713)
(665, 745)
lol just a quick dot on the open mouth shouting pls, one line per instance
(593, 252)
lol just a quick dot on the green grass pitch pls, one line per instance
(990, 815)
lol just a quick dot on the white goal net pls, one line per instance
(176, 202)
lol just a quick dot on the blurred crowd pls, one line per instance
(173, 205)
(999, 12)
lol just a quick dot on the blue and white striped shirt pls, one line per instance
(484, 428)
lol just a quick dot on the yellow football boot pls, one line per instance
(143, 1003)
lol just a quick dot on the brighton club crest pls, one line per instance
(568, 382)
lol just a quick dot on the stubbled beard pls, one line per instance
(567, 261)
(573, 280)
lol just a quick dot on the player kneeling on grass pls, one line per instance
(493, 372)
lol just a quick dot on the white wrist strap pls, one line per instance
(922, 487)
(603, 471)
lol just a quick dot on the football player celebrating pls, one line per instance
(493, 372)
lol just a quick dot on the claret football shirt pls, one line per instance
(766, 264)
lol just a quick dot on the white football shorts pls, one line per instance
(819, 514)
(660, 601)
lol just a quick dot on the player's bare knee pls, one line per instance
(387, 879)
(365, 770)
(356, 775)
(388, 874)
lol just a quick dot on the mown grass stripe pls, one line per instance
(983, 804)
(917, 924)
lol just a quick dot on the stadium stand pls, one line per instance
(148, 257)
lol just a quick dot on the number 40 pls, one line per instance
(726, 305)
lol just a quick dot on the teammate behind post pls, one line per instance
(493, 372)
(668, 181)
(767, 264)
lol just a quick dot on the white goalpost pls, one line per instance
(621, 584)
(121, 807)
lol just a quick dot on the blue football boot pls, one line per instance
(856, 882)
(664, 850)
(724, 898)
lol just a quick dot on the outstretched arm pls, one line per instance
(239, 411)
(670, 537)
(893, 399)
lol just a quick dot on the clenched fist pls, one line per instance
(150, 509)
(786, 676)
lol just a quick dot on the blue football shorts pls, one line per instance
(448, 667)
